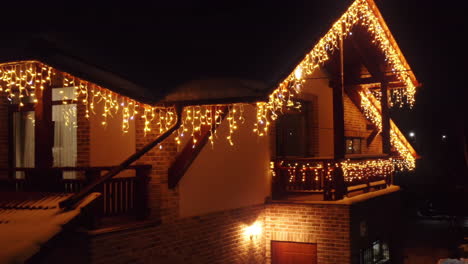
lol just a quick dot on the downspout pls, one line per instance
(73, 200)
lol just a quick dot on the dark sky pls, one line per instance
(431, 38)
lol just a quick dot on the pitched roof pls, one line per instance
(29, 220)
(218, 50)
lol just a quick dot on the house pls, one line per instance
(232, 151)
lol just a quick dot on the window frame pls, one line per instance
(26, 107)
(353, 152)
(306, 113)
(384, 253)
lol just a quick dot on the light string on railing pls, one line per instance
(358, 170)
(314, 169)
(353, 170)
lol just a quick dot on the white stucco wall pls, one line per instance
(227, 177)
(318, 85)
(109, 146)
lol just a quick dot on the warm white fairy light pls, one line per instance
(359, 13)
(359, 170)
(353, 170)
(371, 113)
(371, 110)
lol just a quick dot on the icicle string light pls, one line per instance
(371, 110)
(20, 80)
(359, 13)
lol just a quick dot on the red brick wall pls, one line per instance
(82, 134)
(212, 238)
(163, 202)
(83, 137)
(356, 126)
(326, 225)
(3, 133)
(220, 237)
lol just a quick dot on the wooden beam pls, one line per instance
(372, 136)
(373, 60)
(43, 128)
(338, 111)
(385, 118)
(392, 81)
(191, 151)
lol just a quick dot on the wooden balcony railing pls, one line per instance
(123, 195)
(331, 178)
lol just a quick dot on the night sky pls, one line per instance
(430, 36)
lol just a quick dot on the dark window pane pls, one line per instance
(349, 146)
(353, 145)
(357, 145)
(291, 136)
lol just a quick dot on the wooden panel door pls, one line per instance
(293, 253)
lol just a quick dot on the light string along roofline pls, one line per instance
(21, 80)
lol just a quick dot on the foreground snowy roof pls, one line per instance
(29, 220)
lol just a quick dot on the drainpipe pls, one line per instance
(73, 200)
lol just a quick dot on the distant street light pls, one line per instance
(411, 134)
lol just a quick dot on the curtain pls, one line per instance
(65, 141)
(23, 131)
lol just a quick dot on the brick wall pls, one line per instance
(326, 225)
(220, 237)
(82, 137)
(213, 238)
(356, 126)
(164, 202)
(3, 133)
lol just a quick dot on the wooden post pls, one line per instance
(92, 174)
(339, 183)
(385, 118)
(327, 194)
(43, 180)
(338, 111)
(43, 129)
(141, 192)
(338, 128)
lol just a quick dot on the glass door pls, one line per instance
(64, 150)
(23, 141)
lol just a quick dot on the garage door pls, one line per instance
(293, 253)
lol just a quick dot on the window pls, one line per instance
(293, 133)
(23, 140)
(64, 134)
(377, 253)
(353, 145)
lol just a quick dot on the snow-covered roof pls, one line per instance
(29, 220)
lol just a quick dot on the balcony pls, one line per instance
(123, 197)
(320, 179)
